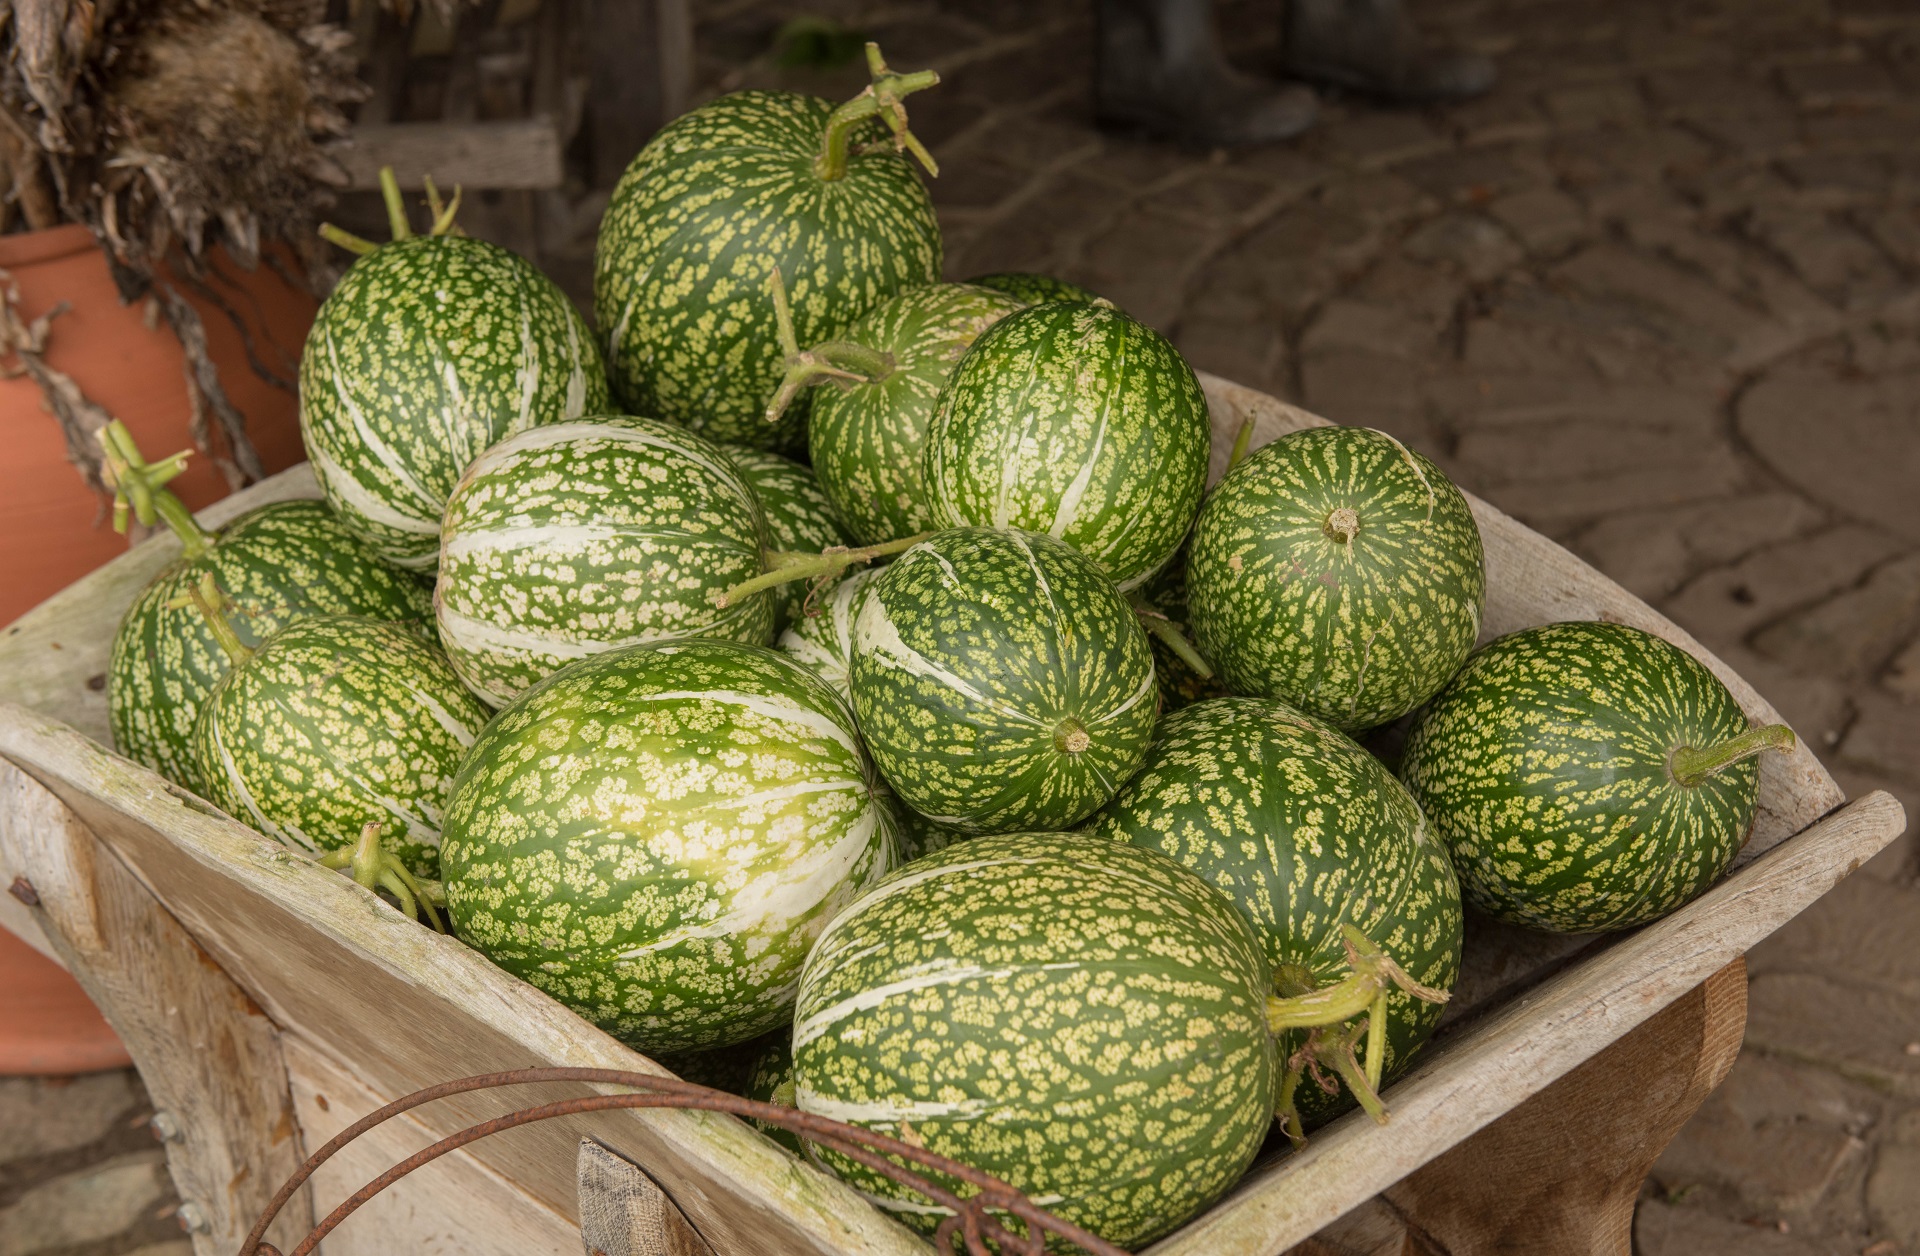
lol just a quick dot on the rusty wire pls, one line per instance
(972, 1219)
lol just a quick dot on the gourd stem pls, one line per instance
(346, 239)
(443, 215)
(1170, 635)
(206, 595)
(1690, 767)
(1241, 441)
(1377, 1042)
(831, 359)
(1337, 1051)
(372, 865)
(789, 567)
(396, 207)
(138, 485)
(883, 96)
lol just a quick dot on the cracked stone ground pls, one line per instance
(1654, 296)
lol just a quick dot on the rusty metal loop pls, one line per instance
(973, 1217)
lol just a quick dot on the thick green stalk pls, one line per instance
(206, 594)
(139, 487)
(1170, 635)
(1241, 440)
(832, 359)
(1691, 767)
(884, 96)
(788, 567)
(396, 207)
(372, 865)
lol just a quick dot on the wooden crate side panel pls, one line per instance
(1532, 581)
(1468, 1081)
(456, 1206)
(210, 1058)
(411, 1008)
(49, 655)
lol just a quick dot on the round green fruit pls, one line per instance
(277, 565)
(1587, 776)
(581, 537)
(1339, 571)
(335, 722)
(1002, 682)
(1082, 1019)
(720, 199)
(656, 835)
(867, 435)
(823, 641)
(1305, 832)
(1078, 422)
(431, 349)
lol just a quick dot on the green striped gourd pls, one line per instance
(1002, 682)
(867, 434)
(1165, 595)
(277, 565)
(720, 199)
(1304, 831)
(1075, 421)
(1031, 289)
(824, 641)
(431, 349)
(799, 518)
(656, 835)
(1082, 1019)
(1586, 776)
(579, 537)
(1338, 571)
(335, 722)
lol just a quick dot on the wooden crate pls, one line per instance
(269, 1002)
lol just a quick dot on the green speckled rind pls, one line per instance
(972, 655)
(704, 214)
(1079, 422)
(1180, 685)
(428, 351)
(799, 518)
(1543, 765)
(868, 441)
(1032, 289)
(1305, 831)
(773, 1069)
(1355, 635)
(655, 836)
(580, 537)
(824, 641)
(339, 721)
(278, 564)
(1082, 1019)
(915, 835)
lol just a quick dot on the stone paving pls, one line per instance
(1654, 296)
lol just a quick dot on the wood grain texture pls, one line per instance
(210, 1059)
(623, 1212)
(334, 964)
(1495, 1063)
(517, 153)
(456, 1206)
(1559, 1175)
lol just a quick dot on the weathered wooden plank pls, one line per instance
(411, 1008)
(1468, 1081)
(456, 1206)
(210, 1059)
(516, 153)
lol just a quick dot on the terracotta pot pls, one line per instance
(50, 1028)
(53, 527)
